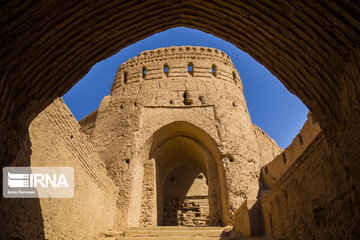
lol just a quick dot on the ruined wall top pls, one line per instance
(275, 169)
(177, 62)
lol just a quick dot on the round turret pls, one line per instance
(177, 63)
(172, 114)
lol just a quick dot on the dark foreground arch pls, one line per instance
(311, 46)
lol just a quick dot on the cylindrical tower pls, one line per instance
(179, 108)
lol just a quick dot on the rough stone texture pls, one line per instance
(299, 206)
(56, 140)
(242, 222)
(311, 46)
(300, 202)
(155, 121)
(88, 123)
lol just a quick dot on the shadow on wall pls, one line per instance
(31, 222)
(290, 189)
(248, 219)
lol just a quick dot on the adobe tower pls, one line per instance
(176, 138)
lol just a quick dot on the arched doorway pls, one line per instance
(188, 178)
(178, 162)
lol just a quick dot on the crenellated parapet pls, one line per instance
(177, 63)
(273, 171)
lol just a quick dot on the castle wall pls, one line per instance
(275, 169)
(57, 141)
(267, 147)
(87, 124)
(209, 97)
(300, 203)
(303, 193)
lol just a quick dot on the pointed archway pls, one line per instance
(182, 157)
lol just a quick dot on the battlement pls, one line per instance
(275, 169)
(149, 55)
(177, 62)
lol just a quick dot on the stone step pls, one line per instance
(185, 238)
(177, 228)
(173, 233)
(167, 238)
(110, 234)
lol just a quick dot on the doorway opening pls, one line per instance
(186, 198)
(189, 186)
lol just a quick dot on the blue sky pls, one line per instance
(271, 106)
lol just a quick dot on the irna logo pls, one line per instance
(37, 180)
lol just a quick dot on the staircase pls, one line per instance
(162, 233)
(173, 233)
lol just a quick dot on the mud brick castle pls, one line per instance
(171, 151)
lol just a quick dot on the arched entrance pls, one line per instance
(190, 187)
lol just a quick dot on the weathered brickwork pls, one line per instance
(301, 203)
(296, 196)
(273, 171)
(57, 141)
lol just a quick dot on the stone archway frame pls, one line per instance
(155, 172)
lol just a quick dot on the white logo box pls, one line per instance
(38, 182)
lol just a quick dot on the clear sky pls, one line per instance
(271, 106)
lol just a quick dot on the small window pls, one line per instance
(144, 72)
(300, 140)
(284, 158)
(234, 77)
(125, 77)
(166, 69)
(213, 69)
(191, 68)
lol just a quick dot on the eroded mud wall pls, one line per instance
(56, 141)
